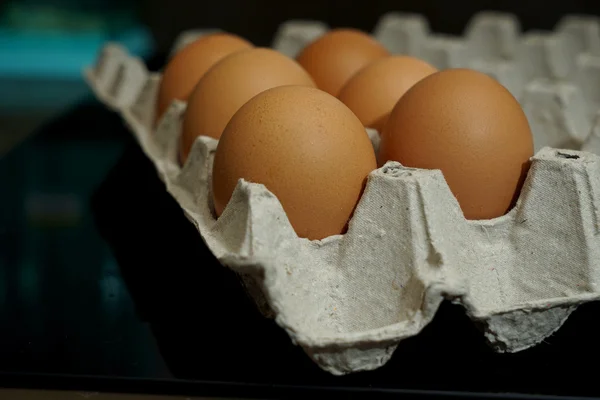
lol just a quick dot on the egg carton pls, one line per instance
(348, 300)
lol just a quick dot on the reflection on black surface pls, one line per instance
(63, 305)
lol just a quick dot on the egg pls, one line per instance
(470, 127)
(190, 63)
(373, 92)
(306, 147)
(231, 83)
(336, 56)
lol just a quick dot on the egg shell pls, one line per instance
(231, 83)
(190, 63)
(373, 92)
(470, 127)
(297, 142)
(336, 56)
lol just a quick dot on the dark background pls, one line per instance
(258, 20)
(90, 286)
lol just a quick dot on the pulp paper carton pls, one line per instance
(349, 299)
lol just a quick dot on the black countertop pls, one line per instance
(104, 284)
(63, 305)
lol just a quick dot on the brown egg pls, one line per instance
(373, 92)
(336, 56)
(297, 141)
(231, 83)
(191, 63)
(470, 127)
